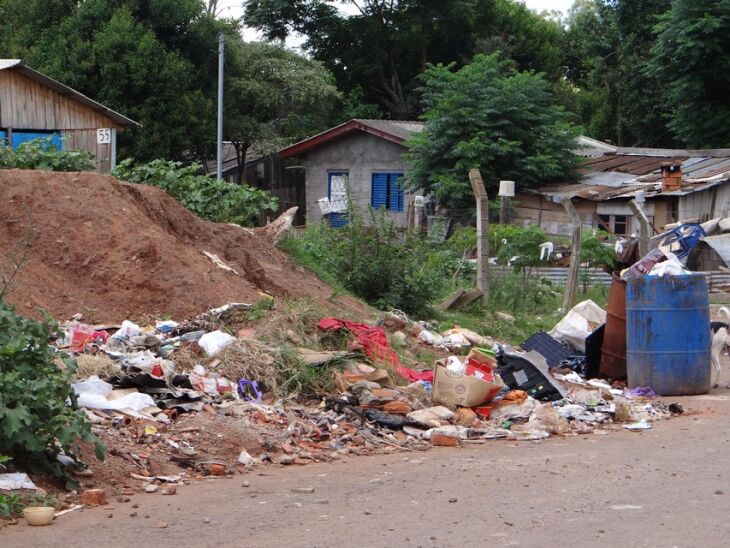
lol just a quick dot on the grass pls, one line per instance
(535, 307)
(297, 252)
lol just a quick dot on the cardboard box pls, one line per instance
(452, 388)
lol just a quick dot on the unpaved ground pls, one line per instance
(113, 251)
(669, 486)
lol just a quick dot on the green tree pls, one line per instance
(691, 58)
(487, 115)
(531, 40)
(607, 45)
(274, 96)
(384, 45)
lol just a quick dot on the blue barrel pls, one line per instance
(668, 334)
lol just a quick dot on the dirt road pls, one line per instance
(669, 486)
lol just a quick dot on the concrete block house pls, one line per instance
(361, 161)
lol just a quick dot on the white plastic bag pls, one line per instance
(215, 341)
(135, 401)
(93, 386)
(671, 267)
(578, 323)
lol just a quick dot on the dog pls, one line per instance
(719, 341)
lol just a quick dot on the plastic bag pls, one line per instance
(215, 341)
(578, 323)
(93, 386)
(671, 267)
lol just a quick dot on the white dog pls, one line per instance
(719, 341)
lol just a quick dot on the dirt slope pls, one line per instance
(115, 250)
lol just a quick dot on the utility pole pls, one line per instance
(480, 193)
(219, 157)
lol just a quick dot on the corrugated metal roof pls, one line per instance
(720, 244)
(17, 64)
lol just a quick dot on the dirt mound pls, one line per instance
(113, 250)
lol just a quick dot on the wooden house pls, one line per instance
(677, 185)
(33, 105)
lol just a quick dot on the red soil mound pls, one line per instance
(113, 250)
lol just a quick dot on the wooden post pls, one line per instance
(644, 227)
(480, 193)
(571, 285)
(504, 210)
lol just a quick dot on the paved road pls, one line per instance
(669, 486)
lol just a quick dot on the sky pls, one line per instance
(233, 8)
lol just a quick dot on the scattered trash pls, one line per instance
(215, 341)
(638, 426)
(469, 385)
(16, 480)
(579, 323)
(529, 372)
(93, 497)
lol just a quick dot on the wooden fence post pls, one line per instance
(480, 193)
(571, 285)
(644, 227)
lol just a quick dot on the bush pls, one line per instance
(36, 424)
(208, 198)
(44, 155)
(377, 263)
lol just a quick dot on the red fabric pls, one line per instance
(375, 344)
(413, 375)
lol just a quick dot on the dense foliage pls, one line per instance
(692, 60)
(42, 154)
(205, 196)
(385, 44)
(36, 422)
(489, 116)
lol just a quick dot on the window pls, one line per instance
(616, 224)
(387, 191)
(19, 137)
(337, 194)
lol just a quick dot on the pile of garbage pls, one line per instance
(160, 398)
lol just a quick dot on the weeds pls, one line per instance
(36, 423)
(208, 198)
(44, 155)
(12, 505)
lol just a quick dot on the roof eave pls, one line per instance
(335, 133)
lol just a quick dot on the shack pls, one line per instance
(678, 185)
(33, 105)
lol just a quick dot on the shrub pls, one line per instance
(36, 423)
(43, 154)
(375, 261)
(217, 201)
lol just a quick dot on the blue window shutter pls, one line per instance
(379, 190)
(338, 220)
(396, 196)
(3, 136)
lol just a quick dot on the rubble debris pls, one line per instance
(93, 497)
